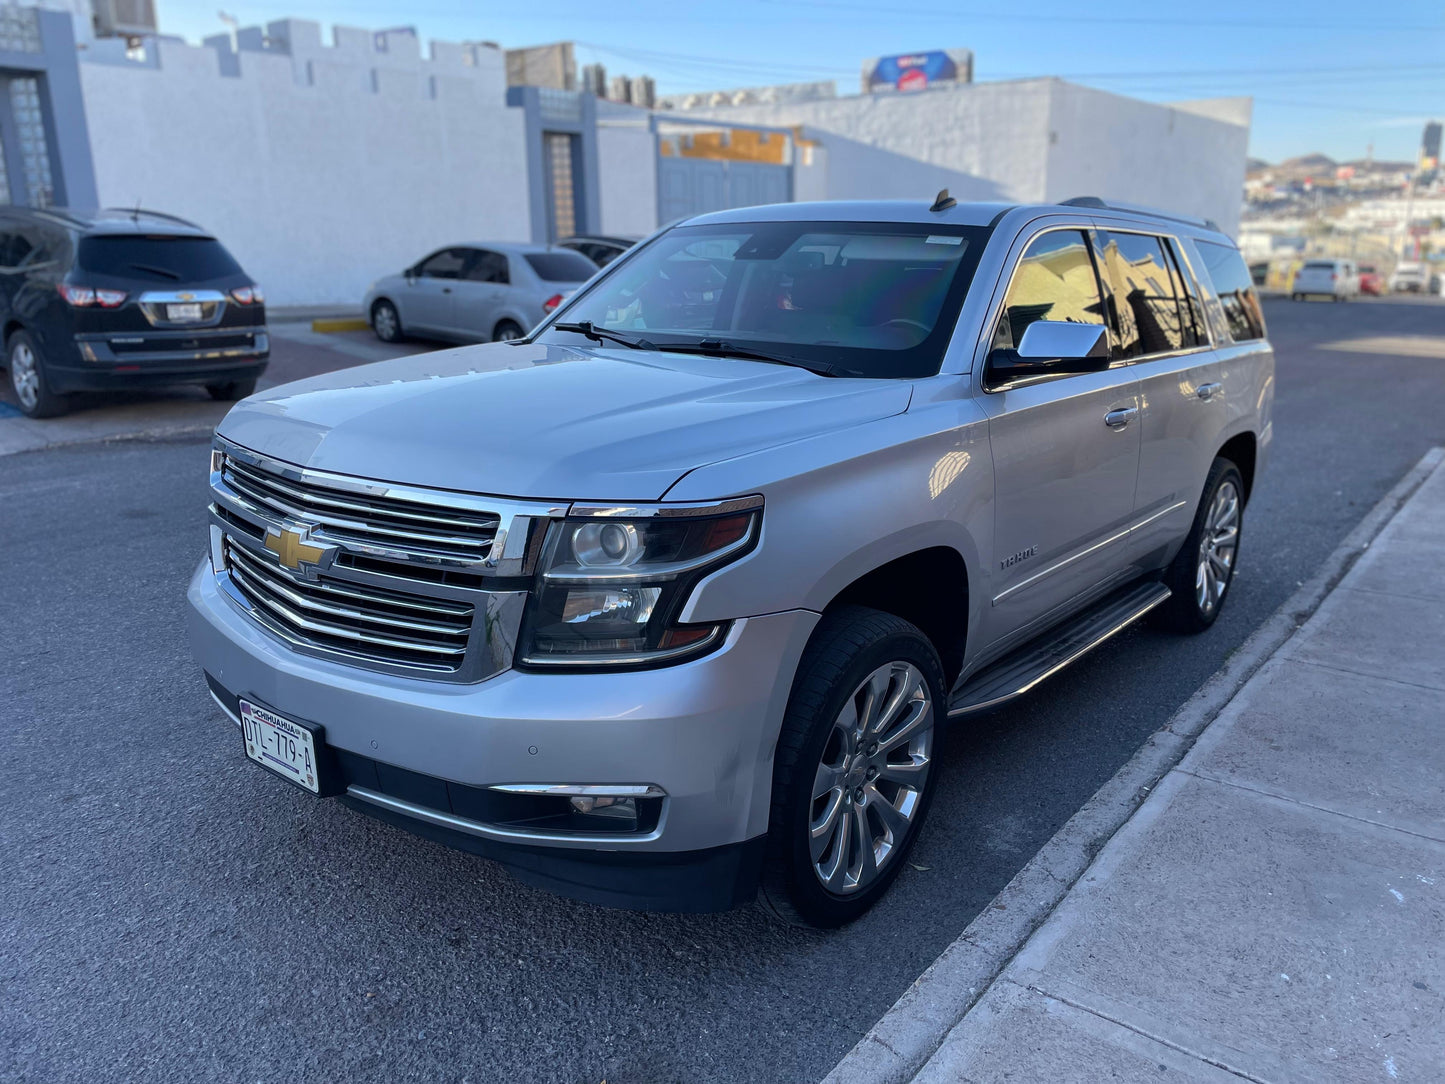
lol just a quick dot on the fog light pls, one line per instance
(619, 814)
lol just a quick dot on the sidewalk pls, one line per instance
(1275, 909)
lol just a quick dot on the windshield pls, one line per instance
(865, 299)
(165, 258)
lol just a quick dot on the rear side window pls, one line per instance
(488, 266)
(1231, 281)
(561, 266)
(159, 257)
(1150, 319)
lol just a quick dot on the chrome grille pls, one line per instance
(366, 622)
(376, 525)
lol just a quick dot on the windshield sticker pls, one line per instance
(940, 239)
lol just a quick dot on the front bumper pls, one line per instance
(704, 731)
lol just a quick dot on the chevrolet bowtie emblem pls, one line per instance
(292, 548)
(186, 297)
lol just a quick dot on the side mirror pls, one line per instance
(1052, 346)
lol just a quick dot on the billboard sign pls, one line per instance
(916, 71)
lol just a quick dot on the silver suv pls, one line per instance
(666, 604)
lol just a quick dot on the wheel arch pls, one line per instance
(928, 588)
(1242, 450)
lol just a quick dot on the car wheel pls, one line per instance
(1202, 571)
(506, 331)
(28, 379)
(232, 390)
(855, 767)
(1296, 297)
(386, 322)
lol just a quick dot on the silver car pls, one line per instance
(483, 292)
(667, 604)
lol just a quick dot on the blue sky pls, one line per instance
(1328, 75)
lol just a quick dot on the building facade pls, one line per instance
(325, 163)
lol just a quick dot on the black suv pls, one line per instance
(104, 300)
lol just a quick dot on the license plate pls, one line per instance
(181, 313)
(287, 748)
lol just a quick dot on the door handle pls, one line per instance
(446, 289)
(1207, 391)
(1118, 419)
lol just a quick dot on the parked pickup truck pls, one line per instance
(666, 604)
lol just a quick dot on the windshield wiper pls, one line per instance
(719, 349)
(155, 270)
(597, 334)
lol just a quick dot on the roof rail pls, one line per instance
(1138, 209)
(136, 212)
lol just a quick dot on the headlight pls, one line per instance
(614, 580)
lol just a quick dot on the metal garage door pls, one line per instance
(692, 186)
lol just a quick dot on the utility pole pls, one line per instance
(1409, 214)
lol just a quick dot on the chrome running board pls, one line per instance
(1041, 658)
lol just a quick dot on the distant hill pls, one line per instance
(1317, 163)
(1380, 165)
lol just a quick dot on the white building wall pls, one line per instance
(994, 131)
(1187, 158)
(320, 167)
(1029, 141)
(626, 170)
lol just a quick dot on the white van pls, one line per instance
(1339, 279)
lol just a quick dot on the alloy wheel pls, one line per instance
(1218, 543)
(870, 780)
(25, 375)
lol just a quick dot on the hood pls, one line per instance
(549, 422)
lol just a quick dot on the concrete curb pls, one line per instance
(899, 1044)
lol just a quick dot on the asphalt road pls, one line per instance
(170, 912)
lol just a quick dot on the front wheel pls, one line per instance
(1202, 571)
(506, 331)
(855, 768)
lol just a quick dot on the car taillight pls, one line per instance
(551, 302)
(248, 295)
(80, 296)
(110, 299)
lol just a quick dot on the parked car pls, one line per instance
(1335, 279)
(121, 299)
(485, 292)
(1371, 281)
(669, 603)
(600, 250)
(1410, 278)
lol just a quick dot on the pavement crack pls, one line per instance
(1195, 1054)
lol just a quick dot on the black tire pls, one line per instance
(386, 322)
(850, 645)
(1185, 611)
(1296, 297)
(506, 330)
(29, 380)
(232, 390)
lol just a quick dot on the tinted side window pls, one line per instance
(561, 265)
(1231, 281)
(1191, 309)
(488, 267)
(1054, 280)
(15, 247)
(1145, 306)
(446, 264)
